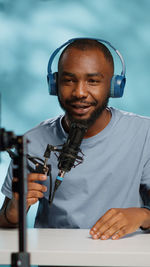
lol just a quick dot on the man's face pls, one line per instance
(84, 84)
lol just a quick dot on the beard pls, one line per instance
(94, 115)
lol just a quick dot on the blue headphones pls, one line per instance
(117, 82)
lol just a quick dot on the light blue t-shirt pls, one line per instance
(116, 162)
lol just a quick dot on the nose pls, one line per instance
(80, 90)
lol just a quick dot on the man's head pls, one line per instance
(85, 70)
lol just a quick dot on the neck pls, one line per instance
(99, 124)
(96, 127)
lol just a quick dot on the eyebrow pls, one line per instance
(65, 73)
(97, 74)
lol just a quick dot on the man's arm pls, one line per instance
(116, 223)
(9, 210)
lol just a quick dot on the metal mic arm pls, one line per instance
(68, 156)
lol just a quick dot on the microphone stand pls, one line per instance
(8, 140)
(21, 258)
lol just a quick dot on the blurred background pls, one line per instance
(31, 30)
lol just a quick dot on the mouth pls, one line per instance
(80, 108)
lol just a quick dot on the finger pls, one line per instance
(37, 187)
(113, 225)
(34, 194)
(36, 177)
(114, 229)
(122, 232)
(31, 201)
(102, 221)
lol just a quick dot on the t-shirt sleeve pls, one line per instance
(7, 185)
(146, 175)
(145, 179)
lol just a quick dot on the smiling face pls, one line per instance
(84, 78)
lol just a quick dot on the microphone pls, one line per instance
(69, 152)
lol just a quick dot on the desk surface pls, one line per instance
(75, 247)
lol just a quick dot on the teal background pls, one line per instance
(31, 30)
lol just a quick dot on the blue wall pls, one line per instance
(30, 30)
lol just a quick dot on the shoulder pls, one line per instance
(130, 124)
(45, 126)
(130, 117)
(47, 132)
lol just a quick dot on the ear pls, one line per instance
(117, 86)
(52, 79)
(55, 77)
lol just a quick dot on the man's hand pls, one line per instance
(9, 211)
(116, 223)
(35, 189)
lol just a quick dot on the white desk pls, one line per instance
(74, 247)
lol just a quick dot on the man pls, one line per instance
(102, 193)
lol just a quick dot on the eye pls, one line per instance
(94, 81)
(67, 80)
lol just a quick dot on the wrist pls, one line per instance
(7, 219)
(146, 221)
(11, 212)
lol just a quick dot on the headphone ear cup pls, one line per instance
(52, 83)
(117, 86)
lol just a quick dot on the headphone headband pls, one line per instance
(117, 83)
(49, 69)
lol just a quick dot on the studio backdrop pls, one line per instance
(31, 30)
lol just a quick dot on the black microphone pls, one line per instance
(69, 151)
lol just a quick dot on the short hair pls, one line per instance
(87, 44)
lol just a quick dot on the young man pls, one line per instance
(102, 193)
